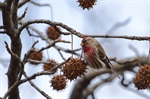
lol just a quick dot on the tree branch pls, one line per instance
(17, 83)
(23, 15)
(14, 10)
(140, 38)
(50, 41)
(89, 90)
(84, 81)
(2, 5)
(36, 87)
(53, 43)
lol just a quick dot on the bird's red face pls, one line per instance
(85, 44)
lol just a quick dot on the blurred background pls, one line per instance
(107, 17)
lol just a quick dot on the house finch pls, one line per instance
(95, 55)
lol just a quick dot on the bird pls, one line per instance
(94, 55)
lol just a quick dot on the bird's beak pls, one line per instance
(82, 44)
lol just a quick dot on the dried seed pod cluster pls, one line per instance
(86, 3)
(58, 82)
(142, 78)
(35, 55)
(52, 33)
(74, 68)
(48, 67)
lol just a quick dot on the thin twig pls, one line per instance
(72, 44)
(39, 62)
(23, 15)
(62, 56)
(30, 34)
(11, 53)
(125, 62)
(24, 61)
(52, 44)
(17, 83)
(89, 90)
(50, 41)
(36, 87)
(127, 86)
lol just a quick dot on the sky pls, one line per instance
(98, 21)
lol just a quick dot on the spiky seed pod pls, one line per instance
(142, 78)
(74, 68)
(52, 33)
(35, 55)
(48, 67)
(58, 82)
(86, 3)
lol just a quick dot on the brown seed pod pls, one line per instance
(86, 3)
(74, 68)
(58, 82)
(35, 55)
(48, 67)
(142, 78)
(52, 33)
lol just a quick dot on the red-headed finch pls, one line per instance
(95, 55)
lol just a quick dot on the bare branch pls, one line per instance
(24, 61)
(14, 10)
(30, 34)
(84, 81)
(53, 43)
(29, 52)
(2, 5)
(17, 83)
(11, 53)
(9, 2)
(38, 62)
(125, 62)
(140, 38)
(23, 15)
(36, 87)
(61, 55)
(50, 41)
(45, 72)
(50, 23)
(89, 90)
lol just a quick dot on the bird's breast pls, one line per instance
(88, 52)
(87, 49)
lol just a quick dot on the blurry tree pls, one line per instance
(13, 25)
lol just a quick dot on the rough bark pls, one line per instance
(10, 22)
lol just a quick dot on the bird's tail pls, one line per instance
(114, 71)
(110, 66)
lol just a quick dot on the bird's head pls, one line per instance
(87, 41)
